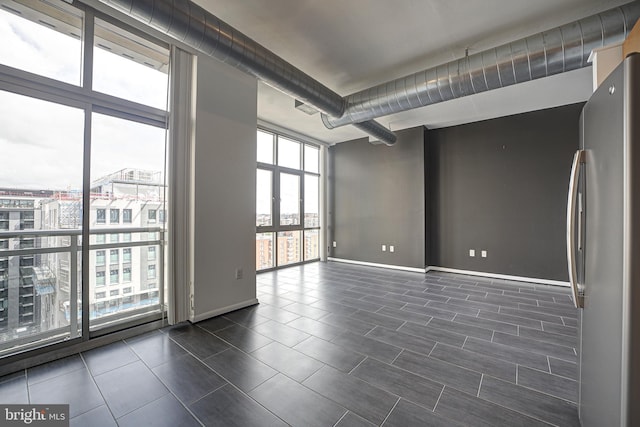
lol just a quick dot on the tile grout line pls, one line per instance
(480, 386)
(343, 415)
(359, 363)
(26, 383)
(439, 397)
(398, 355)
(390, 411)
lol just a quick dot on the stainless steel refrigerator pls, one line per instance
(603, 249)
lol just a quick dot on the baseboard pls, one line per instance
(223, 310)
(454, 270)
(373, 264)
(499, 276)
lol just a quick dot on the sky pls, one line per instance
(44, 140)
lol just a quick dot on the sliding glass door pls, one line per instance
(126, 220)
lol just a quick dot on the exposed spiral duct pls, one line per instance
(544, 54)
(191, 24)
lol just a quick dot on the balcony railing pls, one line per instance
(34, 335)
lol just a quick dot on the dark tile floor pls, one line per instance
(336, 345)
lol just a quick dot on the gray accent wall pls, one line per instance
(376, 197)
(501, 185)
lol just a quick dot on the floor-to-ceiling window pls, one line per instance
(287, 201)
(83, 120)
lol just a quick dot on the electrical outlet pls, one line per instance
(238, 273)
(384, 248)
(483, 254)
(392, 248)
(472, 252)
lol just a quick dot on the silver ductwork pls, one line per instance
(551, 52)
(379, 132)
(194, 26)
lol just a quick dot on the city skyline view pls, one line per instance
(35, 288)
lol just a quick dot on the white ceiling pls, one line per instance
(351, 45)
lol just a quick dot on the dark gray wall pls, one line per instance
(376, 196)
(500, 185)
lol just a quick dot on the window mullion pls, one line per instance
(87, 66)
(86, 210)
(87, 51)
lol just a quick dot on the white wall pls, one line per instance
(224, 186)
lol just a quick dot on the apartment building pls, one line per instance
(28, 288)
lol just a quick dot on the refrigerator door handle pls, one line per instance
(577, 292)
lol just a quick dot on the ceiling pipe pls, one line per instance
(194, 26)
(377, 131)
(544, 54)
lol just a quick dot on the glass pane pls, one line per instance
(264, 198)
(127, 175)
(311, 201)
(289, 246)
(265, 147)
(264, 251)
(129, 66)
(114, 215)
(288, 153)
(311, 244)
(42, 145)
(34, 41)
(114, 256)
(311, 159)
(289, 199)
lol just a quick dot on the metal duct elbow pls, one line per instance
(544, 54)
